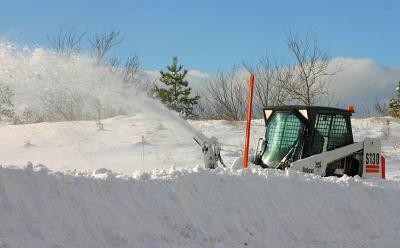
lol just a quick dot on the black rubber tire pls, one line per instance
(354, 167)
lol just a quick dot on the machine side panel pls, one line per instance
(372, 167)
(317, 163)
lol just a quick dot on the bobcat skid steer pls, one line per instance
(317, 140)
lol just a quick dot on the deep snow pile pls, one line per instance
(82, 204)
(195, 208)
(89, 206)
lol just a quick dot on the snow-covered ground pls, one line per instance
(140, 183)
(195, 208)
(146, 142)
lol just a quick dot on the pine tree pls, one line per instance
(394, 104)
(175, 93)
(6, 106)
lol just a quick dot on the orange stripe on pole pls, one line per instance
(383, 163)
(248, 122)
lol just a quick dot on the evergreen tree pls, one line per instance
(394, 103)
(6, 106)
(174, 92)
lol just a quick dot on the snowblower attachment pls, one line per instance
(211, 151)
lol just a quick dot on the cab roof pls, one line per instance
(310, 109)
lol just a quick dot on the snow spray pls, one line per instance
(35, 73)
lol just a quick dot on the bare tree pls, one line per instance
(203, 109)
(114, 63)
(307, 78)
(381, 109)
(130, 72)
(67, 41)
(63, 103)
(102, 43)
(131, 69)
(225, 97)
(366, 109)
(267, 86)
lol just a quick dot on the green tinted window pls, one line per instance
(283, 133)
(331, 132)
(339, 134)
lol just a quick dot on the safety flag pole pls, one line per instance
(248, 122)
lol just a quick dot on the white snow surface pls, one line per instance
(145, 141)
(140, 183)
(195, 208)
(98, 190)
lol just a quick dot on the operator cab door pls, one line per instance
(331, 131)
(284, 140)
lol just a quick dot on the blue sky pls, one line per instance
(209, 35)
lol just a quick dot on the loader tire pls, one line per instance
(354, 167)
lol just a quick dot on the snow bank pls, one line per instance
(195, 208)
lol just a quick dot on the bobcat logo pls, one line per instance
(318, 164)
(307, 170)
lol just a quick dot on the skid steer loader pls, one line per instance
(317, 140)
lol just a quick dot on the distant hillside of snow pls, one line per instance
(145, 141)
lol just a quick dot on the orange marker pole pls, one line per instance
(383, 164)
(248, 122)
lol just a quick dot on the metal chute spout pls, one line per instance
(211, 151)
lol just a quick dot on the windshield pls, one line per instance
(284, 131)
